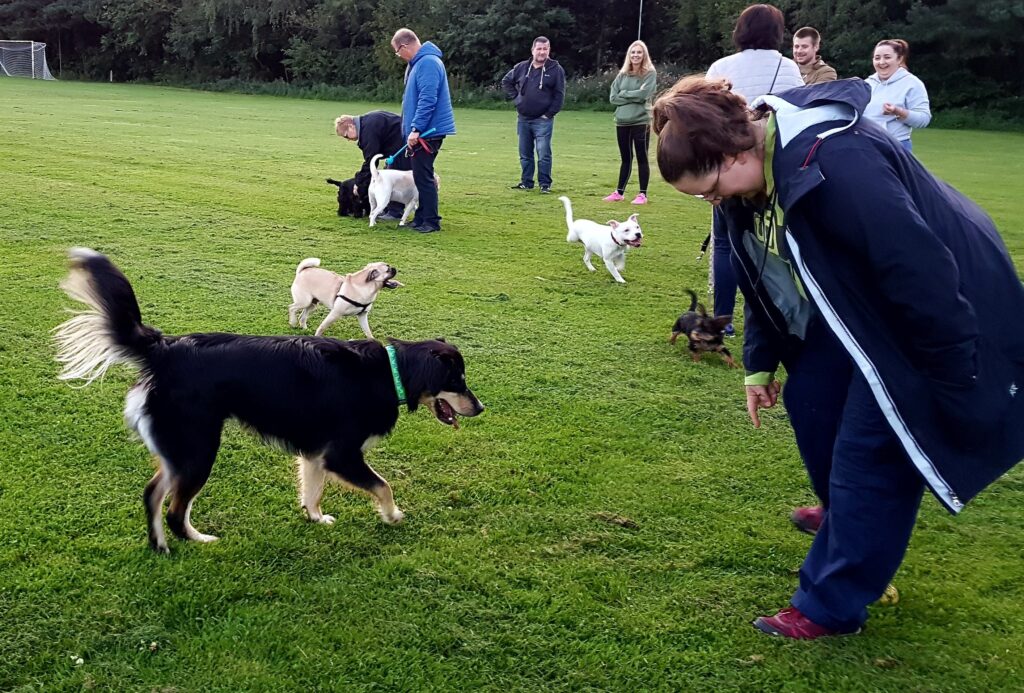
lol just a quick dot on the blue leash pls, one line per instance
(391, 159)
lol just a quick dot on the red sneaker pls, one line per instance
(790, 623)
(808, 519)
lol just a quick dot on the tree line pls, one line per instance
(969, 53)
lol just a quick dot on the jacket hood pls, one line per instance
(797, 110)
(896, 76)
(852, 92)
(428, 48)
(548, 64)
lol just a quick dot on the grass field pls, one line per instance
(515, 569)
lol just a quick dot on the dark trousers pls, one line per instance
(818, 378)
(874, 494)
(633, 138)
(423, 175)
(724, 275)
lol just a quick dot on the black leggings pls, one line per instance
(638, 136)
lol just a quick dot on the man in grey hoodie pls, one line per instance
(538, 88)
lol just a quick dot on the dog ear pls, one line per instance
(442, 339)
(614, 224)
(372, 276)
(633, 217)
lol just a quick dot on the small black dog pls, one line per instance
(704, 332)
(349, 203)
(324, 400)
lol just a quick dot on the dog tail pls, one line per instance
(573, 236)
(306, 264)
(693, 300)
(694, 304)
(110, 331)
(334, 182)
(374, 173)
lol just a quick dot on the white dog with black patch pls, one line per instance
(388, 186)
(608, 241)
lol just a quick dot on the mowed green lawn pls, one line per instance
(611, 522)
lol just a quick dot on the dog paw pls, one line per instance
(392, 518)
(203, 538)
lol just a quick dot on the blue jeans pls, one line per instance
(907, 145)
(535, 134)
(725, 275)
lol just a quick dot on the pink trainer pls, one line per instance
(640, 199)
(616, 196)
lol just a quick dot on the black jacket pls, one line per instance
(380, 132)
(537, 91)
(914, 281)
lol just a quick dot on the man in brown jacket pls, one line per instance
(806, 42)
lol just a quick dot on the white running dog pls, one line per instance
(390, 185)
(607, 241)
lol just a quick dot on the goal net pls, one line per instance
(24, 59)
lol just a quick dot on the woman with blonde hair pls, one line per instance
(632, 93)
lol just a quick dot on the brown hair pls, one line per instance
(899, 46)
(699, 123)
(760, 27)
(539, 39)
(808, 32)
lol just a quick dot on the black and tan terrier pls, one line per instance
(704, 332)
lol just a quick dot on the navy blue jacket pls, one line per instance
(380, 132)
(536, 91)
(915, 282)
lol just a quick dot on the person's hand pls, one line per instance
(414, 137)
(761, 397)
(355, 189)
(544, 117)
(893, 110)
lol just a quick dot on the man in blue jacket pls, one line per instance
(858, 256)
(426, 106)
(537, 87)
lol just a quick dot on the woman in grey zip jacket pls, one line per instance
(909, 277)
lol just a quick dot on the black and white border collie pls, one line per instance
(327, 401)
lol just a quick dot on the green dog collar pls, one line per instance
(399, 390)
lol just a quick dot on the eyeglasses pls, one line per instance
(398, 51)
(712, 194)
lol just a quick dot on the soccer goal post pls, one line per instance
(24, 59)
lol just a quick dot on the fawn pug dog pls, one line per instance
(703, 332)
(351, 294)
(389, 185)
(608, 241)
